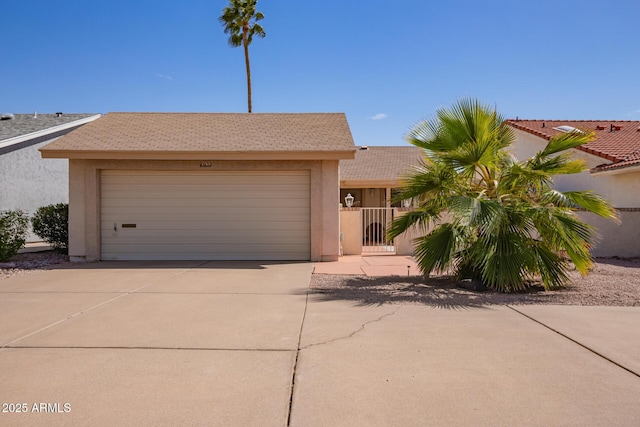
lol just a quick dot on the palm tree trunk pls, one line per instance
(246, 60)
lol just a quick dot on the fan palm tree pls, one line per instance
(240, 21)
(495, 218)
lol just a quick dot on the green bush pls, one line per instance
(13, 231)
(51, 223)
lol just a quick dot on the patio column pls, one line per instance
(387, 197)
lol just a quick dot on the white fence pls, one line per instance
(375, 222)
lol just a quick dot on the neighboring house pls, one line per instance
(205, 186)
(372, 178)
(614, 162)
(27, 181)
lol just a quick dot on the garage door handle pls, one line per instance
(115, 226)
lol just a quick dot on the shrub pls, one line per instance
(13, 231)
(51, 223)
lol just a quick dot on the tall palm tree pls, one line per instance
(240, 20)
(495, 218)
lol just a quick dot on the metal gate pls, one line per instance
(375, 222)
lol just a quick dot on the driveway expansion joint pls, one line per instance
(74, 315)
(637, 374)
(354, 333)
(266, 350)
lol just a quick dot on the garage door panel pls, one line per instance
(205, 210)
(127, 236)
(224, 215)
(205, 248)
(206, 226)
(281, 200)
(151, 191)
(260, 215)
(196, 177)
(208, 256)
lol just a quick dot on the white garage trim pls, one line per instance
(198, 215)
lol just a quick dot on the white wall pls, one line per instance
(621, 190)
(615, 239)
(29, 181)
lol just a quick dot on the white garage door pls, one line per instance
(213, 215)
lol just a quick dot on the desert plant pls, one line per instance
(51, 223)
(495, 218)
(240, 20)
(13, 231)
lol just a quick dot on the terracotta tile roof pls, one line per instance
(210, 132)
(380, 163)
(616, 140)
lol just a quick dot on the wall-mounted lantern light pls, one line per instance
(348, 200)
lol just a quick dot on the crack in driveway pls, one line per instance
(354, 333)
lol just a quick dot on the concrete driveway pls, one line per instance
(245, 343)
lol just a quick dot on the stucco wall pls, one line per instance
(28, 181)
(84, 203)
(621, 190)
(404, 242)
(351, 230)
(622, 240)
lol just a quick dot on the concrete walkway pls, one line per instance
(370, 265)
(246, 344)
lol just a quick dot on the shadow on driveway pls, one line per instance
(439, 292)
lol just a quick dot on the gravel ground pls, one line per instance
(29, 262)
(612, 282)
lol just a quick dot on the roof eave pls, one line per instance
(582, 148)
(196, 155)
(615, 170)
(26, 137)
(369, 183)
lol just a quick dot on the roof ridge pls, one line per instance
(220, 113)
(570, 120)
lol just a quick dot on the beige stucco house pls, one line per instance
(614, 162)
(167, 186)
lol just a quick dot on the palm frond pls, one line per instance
(550, 267)
(562, 164)
(501, 258)
(435, 251)
(421, 218)
(496, 218)
(593, 203)
(566, 141)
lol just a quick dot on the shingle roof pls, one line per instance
(210, 132)
(23, 124)
(616, 140)
(380, 163)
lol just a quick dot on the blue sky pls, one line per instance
(386, 64)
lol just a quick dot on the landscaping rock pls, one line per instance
(472, 285)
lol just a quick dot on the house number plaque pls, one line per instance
(205, 164)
